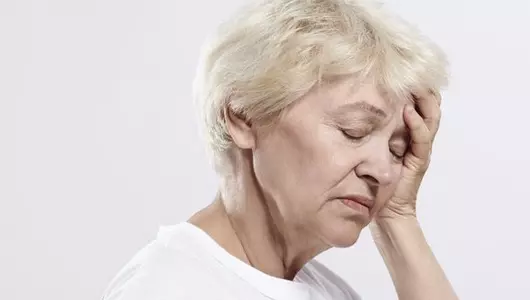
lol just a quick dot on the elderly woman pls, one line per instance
(320, 116)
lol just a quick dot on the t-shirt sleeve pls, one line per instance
(154, 274)
(160, 273)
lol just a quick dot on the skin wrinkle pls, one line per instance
(363, 106)
(352, 117)
(291, 176)
(290, 264)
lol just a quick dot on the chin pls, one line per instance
(344, 234)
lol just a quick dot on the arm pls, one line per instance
(415, 272)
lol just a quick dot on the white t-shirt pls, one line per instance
(184, 262)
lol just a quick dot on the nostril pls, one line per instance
(371, 180)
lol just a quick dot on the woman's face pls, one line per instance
(332, 148)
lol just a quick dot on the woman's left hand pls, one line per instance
(423, 122)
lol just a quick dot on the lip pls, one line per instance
(362, 200)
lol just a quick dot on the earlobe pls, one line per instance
(240, 130)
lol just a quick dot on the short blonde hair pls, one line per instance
(272, 52)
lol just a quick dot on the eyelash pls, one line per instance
(350, 137)
(357, 139)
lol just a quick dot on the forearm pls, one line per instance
(416, 273)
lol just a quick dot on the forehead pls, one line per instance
(341, 100)
(350, 91)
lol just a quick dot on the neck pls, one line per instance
(247, 224)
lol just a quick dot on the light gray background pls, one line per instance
(99, 146)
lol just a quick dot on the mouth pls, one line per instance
(360, 204)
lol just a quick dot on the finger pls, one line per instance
(437, 96)
(420, 144)
(429, 109)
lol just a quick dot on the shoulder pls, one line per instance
(161, 271)
(153, 273)
(328, 281)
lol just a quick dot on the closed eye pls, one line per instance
(354, 135)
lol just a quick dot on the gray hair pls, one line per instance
(272, 52)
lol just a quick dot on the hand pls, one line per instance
(422, 122)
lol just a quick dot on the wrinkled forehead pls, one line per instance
(394, 97)
(377, 92)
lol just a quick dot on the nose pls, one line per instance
(376, 169)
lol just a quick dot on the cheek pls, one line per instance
(298, 166)
(329, 163)
(284, 165)
(385, 193)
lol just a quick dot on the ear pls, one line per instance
(239, 129)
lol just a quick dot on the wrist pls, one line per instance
(402, 246)
(400, 238)
(397, 232)
(410, 260)
(396, 222)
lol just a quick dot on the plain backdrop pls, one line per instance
(99, 143)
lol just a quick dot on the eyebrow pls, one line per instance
(364, 106)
